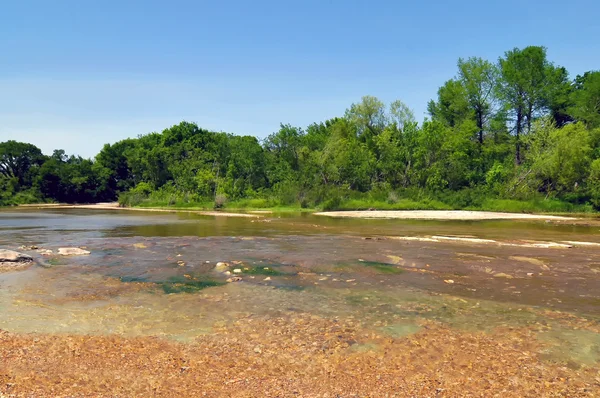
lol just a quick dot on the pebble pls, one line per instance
(450, 281)
(268, 278)
(237, 271)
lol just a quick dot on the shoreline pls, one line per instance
(456, 215)
(115, 206)
(426, 215)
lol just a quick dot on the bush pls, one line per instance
(220, 201)
(130, 199)
(392, 197)
(332, 204)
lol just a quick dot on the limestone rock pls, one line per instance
(13, 261)
(72, 251)
(14, 257)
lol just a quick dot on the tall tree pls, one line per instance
(479, 78)
(585, 99)
(369, 117)
(558, 95)
(452, 106)
(18, 159)
(524, 77)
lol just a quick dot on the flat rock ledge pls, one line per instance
(72, 251)
(12, 261)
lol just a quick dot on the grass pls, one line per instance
(467, 199)
(241, 205)
(401, 204)
(533, 206)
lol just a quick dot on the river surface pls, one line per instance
(153, 274)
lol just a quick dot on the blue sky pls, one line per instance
(77, 74)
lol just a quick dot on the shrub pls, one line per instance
(220, 201)
(332, 204)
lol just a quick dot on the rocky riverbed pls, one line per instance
(325, 309)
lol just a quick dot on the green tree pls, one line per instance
(452, 106)
(369, 116)
(523, 88)
(558, 158)
(585, 99)
(20, 161)
(479, 79)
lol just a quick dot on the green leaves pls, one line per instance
(585, 99)
(518, 128)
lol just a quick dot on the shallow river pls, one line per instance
(153, 274)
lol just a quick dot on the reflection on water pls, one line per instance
(299, 263)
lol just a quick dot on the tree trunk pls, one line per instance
(480, 126)
(529, 116)
(518, 143)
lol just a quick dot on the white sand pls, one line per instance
(440, 215)
(115, 206)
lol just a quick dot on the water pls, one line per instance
(152, 274)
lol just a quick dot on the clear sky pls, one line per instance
(77, 74)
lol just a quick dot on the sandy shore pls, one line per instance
(115, 206)
(440, 215)
(460, 215)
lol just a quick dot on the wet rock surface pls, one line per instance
(294, 355)
(11, 260)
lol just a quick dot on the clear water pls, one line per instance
(154, 274)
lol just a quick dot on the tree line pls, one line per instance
(519, 129)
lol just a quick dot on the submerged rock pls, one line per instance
(72, 251)
(32, 247)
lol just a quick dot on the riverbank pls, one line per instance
(459, 215)
(115, 206)
(456, 215)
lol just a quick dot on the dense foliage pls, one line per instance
(515, 130)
